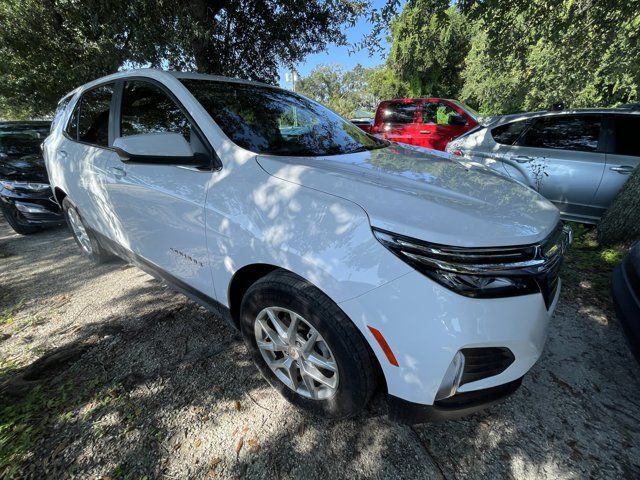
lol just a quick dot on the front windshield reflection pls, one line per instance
(271, 121)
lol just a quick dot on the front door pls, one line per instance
(436, 130)
(623, 157)
(161, 207)
(561, 157)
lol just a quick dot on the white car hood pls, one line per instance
(426, 194)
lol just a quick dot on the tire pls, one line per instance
(339, 344)
(11, 216)
(85, 239)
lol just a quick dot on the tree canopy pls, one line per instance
(49, 47)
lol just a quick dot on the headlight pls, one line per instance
(482, 272)
(27, 186)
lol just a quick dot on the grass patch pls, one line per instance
(7, 316)
(588, 267)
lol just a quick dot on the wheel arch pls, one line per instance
(59, 195)
(246, 276)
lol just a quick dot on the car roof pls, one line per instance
(500, 119)
(158, 74)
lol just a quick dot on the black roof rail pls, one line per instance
(631, 106)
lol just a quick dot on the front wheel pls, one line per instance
(306, 347)
(88, 243)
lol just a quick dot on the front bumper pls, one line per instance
(459, 405)
(32, 209)
(426, 325)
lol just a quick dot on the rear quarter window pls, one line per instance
(509, 133)
(398, 113)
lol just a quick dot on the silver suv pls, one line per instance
(578, 159)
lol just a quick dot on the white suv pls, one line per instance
(348, 263)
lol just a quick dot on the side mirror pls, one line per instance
(164, 148)
(457, 120)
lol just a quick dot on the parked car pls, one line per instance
(426, 122)
(347, 262)
(626, 297)
(26, 199)
(578, 159)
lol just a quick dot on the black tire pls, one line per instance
(11, 216)
(355, 365)
(91, 250)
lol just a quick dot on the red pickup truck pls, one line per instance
(426, 122)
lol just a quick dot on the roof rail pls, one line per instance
(631, 106)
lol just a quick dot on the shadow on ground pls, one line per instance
(135, 381)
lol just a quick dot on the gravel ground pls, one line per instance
(149, 384)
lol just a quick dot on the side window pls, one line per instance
(399, 113)
(437, 113)
(60, 109)
(564, 132)
(147, 109)
(93, 123)
(72, 126)
(509, 133)
(627, 128)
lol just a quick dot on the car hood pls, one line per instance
(28, 168)
(426, 194)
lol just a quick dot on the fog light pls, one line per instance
(452, 377)
(30, 208)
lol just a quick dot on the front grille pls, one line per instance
(485, 362)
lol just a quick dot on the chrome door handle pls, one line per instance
(426, 132)
(116, 171)
(622, 169)
(62, 154)
(522, 158)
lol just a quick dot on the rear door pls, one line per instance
(623, 156)
(436, 130)
(84, 152)
(161, 207)
(562, 157)
(398, 121)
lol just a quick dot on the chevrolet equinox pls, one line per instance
(349, 263)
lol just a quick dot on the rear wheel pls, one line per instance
(88, 243)
(306, 347)
(11, 216)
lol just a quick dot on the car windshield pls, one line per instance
(272, 121)
(474, 113)
(17, 141)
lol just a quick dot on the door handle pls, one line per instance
(63, 154)
(425, 132)
(623, 169)
(116, 171)
(522, 158)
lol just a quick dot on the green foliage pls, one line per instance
(49, 47)
(429, 45)
(588, 266)
(520, 55)
(348, 91)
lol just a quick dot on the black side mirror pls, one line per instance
(457, 120)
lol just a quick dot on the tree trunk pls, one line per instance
(621, 222)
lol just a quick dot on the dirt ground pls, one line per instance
(133, 381)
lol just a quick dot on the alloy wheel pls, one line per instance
(79, 231)
(296, 353)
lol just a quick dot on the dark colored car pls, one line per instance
(26, 199)
(427, 122)
(626, 296)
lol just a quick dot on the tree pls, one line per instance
(343, 91)
(530, 54)
(429, 44)
(49, 47)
